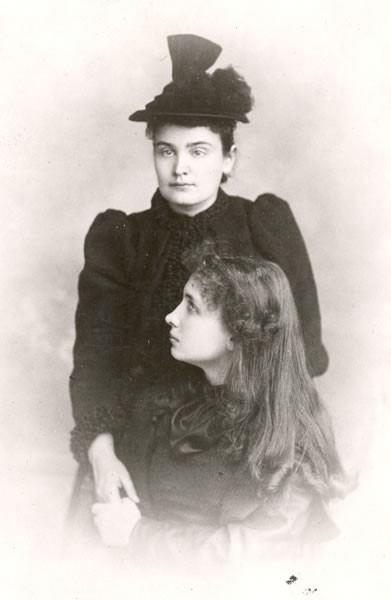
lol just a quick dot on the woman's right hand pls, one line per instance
(110, 474)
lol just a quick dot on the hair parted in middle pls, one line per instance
(224, 128)
(274, 418)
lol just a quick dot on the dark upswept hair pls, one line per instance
(273, 418)
(225, 128)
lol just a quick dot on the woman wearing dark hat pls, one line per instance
(134, 274)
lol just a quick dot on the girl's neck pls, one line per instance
(215, 377)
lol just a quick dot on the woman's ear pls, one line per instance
(229, 160)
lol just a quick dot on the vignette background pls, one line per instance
(319, 137)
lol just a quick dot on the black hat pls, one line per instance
(223, 94)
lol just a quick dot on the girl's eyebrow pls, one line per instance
(195, 299)
(189, 296)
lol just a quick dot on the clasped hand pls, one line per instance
(114, 517)
(115, 521)
(110, 474)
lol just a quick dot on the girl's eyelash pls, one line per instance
(191, 306)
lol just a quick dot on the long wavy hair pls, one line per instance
(272, 419)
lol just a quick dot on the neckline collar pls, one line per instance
(173, 220)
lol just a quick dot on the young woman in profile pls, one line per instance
(134, 273)
(240, 464)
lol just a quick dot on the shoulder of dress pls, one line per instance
(239, 201)
(111, 237)
(269, 202)
(109, 219)
(272, 212)
(140, 220)
(264, 204)
(112, 216)
(116, 223)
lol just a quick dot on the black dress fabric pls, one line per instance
(196, 500)
(133, 276)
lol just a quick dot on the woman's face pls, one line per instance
(198, 335)
(189, 163)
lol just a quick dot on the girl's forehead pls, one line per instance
(198, 290)
(193, 287)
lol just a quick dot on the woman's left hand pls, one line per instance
(115, 521)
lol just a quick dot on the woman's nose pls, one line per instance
(181, 166)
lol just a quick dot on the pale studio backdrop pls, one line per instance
(319, 137)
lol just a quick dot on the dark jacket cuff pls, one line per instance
(102, 419)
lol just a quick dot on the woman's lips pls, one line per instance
(173, 339)
(182, 186)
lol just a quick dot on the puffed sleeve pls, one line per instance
(301, 521)
(102, 330)
(278, 238)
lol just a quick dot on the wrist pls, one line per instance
(101, 448)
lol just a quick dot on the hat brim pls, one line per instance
(145, 116)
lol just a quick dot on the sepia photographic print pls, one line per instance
(195, 303)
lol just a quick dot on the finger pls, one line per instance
(110, 493)
(130, 507)
(129, 488)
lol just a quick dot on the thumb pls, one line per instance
(113, 495)
(129, 488)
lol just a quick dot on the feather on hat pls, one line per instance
(193, 92)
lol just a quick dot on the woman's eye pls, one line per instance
(198, 152)
(166, 152)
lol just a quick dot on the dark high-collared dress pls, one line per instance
(133, 276)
